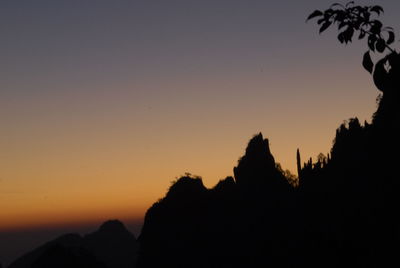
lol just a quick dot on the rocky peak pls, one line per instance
(112, 226)
(257, 163)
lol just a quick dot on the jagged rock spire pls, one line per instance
(256, 164)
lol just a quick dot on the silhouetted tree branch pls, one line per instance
(351, 19)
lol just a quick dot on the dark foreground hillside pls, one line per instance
(343, 212)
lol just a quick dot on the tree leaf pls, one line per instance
(325, 26)
(341, 37)
(376, 27)
(380, 45)
(340, 15)
(349, 34)
(320, 21)
(358, 10)
(328, 13)
(316, 13)
(362, 35)
(367, 15)
(378, 24)
(350, 3)
(371, 42)
(391, 38)
(341, 25)
(377, 9)
(367, 62)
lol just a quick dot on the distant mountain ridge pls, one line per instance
(111, 246)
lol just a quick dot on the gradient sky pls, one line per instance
(104, 103)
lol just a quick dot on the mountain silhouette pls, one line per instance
(342, 211)
(111, 246)
(193, 226)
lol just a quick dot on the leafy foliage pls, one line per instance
(352, 19)
(367, 62)
(291, 178)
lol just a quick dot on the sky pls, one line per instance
(104, 103)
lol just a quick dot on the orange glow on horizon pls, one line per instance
(53, 219)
